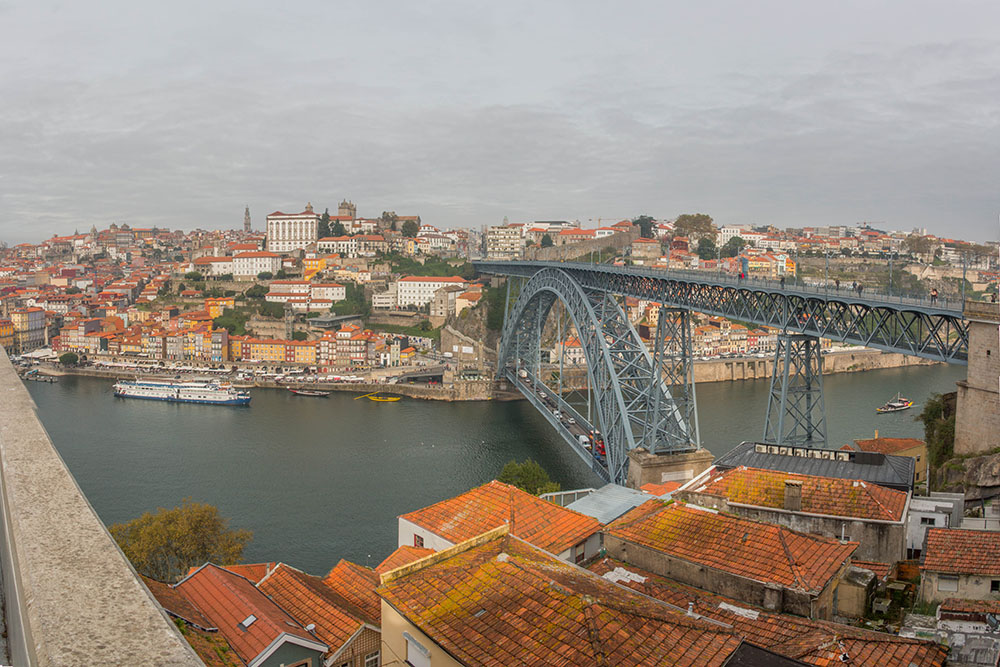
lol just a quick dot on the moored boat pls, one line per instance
(309, 392)
(383, 399)
(207, 393)
(895, 405)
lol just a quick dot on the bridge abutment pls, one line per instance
(977, 420)
(647, 468)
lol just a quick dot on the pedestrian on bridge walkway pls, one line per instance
(782, 282)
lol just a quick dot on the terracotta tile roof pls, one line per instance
(820, 495)
(881, 570)
(176, 604)
(888, 445)
(660, 489)
(971, 606)
(760, 551)
(309, 600)
(404, 555)
(227, 599)
(962, 551)
(356, 585)
(507, 603)
(252, 571)
(544, 524)
(811, 641)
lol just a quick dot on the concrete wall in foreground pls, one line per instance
(71, 597)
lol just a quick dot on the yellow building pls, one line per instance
(302, 352)
(6, 334)
(266, 349)
(915, 449)
(216, 306)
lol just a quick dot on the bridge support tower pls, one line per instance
(795, 411)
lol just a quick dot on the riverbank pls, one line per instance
(716, 370)
(846, 361)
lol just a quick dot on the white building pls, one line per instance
(214, 266)
(504, 242)
(283, 291)
(292, 231)
(386, 300)
(419, 290)
(251, 263)
(729, 231)
(344, 245)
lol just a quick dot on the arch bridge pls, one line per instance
(646, 398)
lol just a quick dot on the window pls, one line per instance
(417, 654)
(995, 586)
(947, 583)
(418, 541)
(372, 659)
(927, 521)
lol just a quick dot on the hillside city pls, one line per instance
(328, 293)
(760, 557)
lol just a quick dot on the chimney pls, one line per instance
(793, 495)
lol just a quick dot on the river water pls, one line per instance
(317, 480)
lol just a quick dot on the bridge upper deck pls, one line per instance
(920, 327)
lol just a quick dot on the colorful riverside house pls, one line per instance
(300, 352)
(6, 334)
(266, 349)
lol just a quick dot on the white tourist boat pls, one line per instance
(209, 393)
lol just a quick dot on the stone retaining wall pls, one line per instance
(73, 597)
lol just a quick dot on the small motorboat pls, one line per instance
(895, 405)
(309, 392)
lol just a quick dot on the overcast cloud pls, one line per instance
(178, 114)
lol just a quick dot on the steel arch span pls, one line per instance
(634, 406)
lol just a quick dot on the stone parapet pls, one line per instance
(72, 598)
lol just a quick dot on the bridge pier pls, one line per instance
(795, 410)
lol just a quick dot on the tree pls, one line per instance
(695, 226)
(707, 249)
(337, 229)
(181, 288)
(281, 274)
(194, 275)
(389, 219)
(300, 335)
(528, 476)
(645, 224)
(410, 229)
(73, 290)
(938, 417)
(69, 359)
(733, 246)
(265, 275)
(324, 225)
(547, 241)
(918, 245)
(272, 309)
(256, 292)
(165, 545)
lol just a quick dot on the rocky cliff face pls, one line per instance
(977, 476)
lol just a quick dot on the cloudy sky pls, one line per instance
(793, 113)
